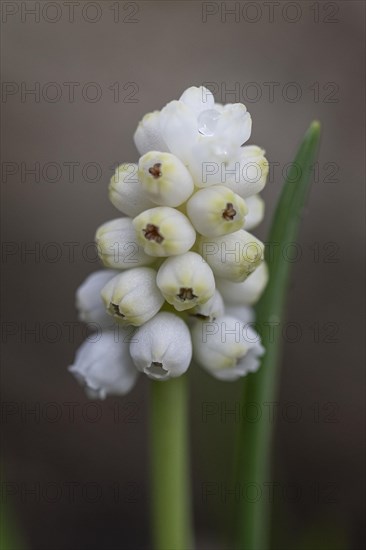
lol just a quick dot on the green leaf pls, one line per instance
(254, 444)
(11, 536)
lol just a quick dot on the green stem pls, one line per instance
(253, 526)
(171, 514)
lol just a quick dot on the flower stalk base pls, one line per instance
(170, 479)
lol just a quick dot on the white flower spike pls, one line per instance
(164, 231)
(184, 245)
(165, 179)
(216, 211)
(163, 347)
(186, 281)
(132, 297)
(226, 348)
(104, 366)
(118, 247)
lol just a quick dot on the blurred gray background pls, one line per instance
(81, 481)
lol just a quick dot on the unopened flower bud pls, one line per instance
(118, 247)
(232, 256)
(255, 205)
(186, 281)
(132, 297)
(104, 366)
(126, 192)
(216, 211)
(249, 291)
(226, 347)
(89, 302)
(165, 179)
(198, 99)
(234, 125)
(162, 347)
(164, 231)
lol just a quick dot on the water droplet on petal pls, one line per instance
(207, 122)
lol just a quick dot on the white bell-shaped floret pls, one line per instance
(249, 291)
(132, 297)
(214, 307)
(255, 215)
(186, 281)
(126, 192)
(118, 246)
(164, 231)
(216, 211)
(165, 179)
(148, 136)
(104, 366)
(232, 256)
(89, 301)
(162, 347)
(226, 348)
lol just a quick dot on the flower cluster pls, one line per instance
(181, 266)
